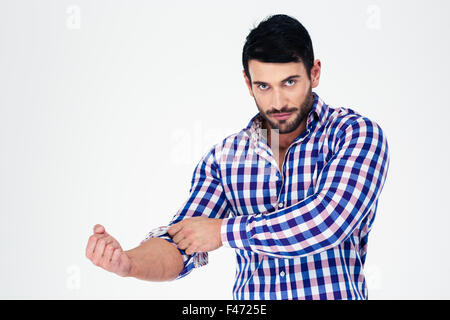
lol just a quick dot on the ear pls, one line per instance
(247, 82)
(315, 73)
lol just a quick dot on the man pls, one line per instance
(294, 193)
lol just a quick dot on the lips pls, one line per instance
(282, 116)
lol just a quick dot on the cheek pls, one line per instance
(263, 101)
(296, 99)
(299, 96)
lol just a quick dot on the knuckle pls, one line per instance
(114, 258)
(181, 234)
(115, 245)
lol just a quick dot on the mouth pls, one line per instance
(282, 116)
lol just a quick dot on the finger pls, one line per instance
(115, 244)
(99, 236)
(98, 228)
(175, 228)
(191, 250)
(98, 251)
(115, 258)
(107, 254)
(108, 240)
(178, 236)
(183, 244)
(91, 246)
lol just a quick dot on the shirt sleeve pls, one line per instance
(346, 189)
(206, 198)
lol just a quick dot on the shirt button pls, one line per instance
(282, 274)
(280, 205)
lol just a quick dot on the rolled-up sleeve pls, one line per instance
(346, 190)
(206, 198)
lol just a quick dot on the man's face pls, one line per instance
(282, 92)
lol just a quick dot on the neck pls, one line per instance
(284, 139)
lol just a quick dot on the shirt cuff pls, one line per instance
(190, 261)
(233, 232)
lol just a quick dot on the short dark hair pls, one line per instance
(279, 38)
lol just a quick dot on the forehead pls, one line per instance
(274, 71)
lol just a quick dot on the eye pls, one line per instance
(263, 86)
(290, 83)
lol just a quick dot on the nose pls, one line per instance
(278, 101)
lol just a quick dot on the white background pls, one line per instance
(106, 107)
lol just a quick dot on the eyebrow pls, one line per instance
(284, 80)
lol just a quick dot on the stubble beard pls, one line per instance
(300, 114)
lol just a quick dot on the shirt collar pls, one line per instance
(316, 115)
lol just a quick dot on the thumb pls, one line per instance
(98, 228)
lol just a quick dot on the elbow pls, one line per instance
(172, 266)
(305, 248)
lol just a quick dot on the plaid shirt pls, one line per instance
(300, 232)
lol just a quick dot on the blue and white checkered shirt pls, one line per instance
(300, 233)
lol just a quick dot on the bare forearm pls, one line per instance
(155, 260)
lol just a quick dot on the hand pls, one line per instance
(197, 234)
(105, 252)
